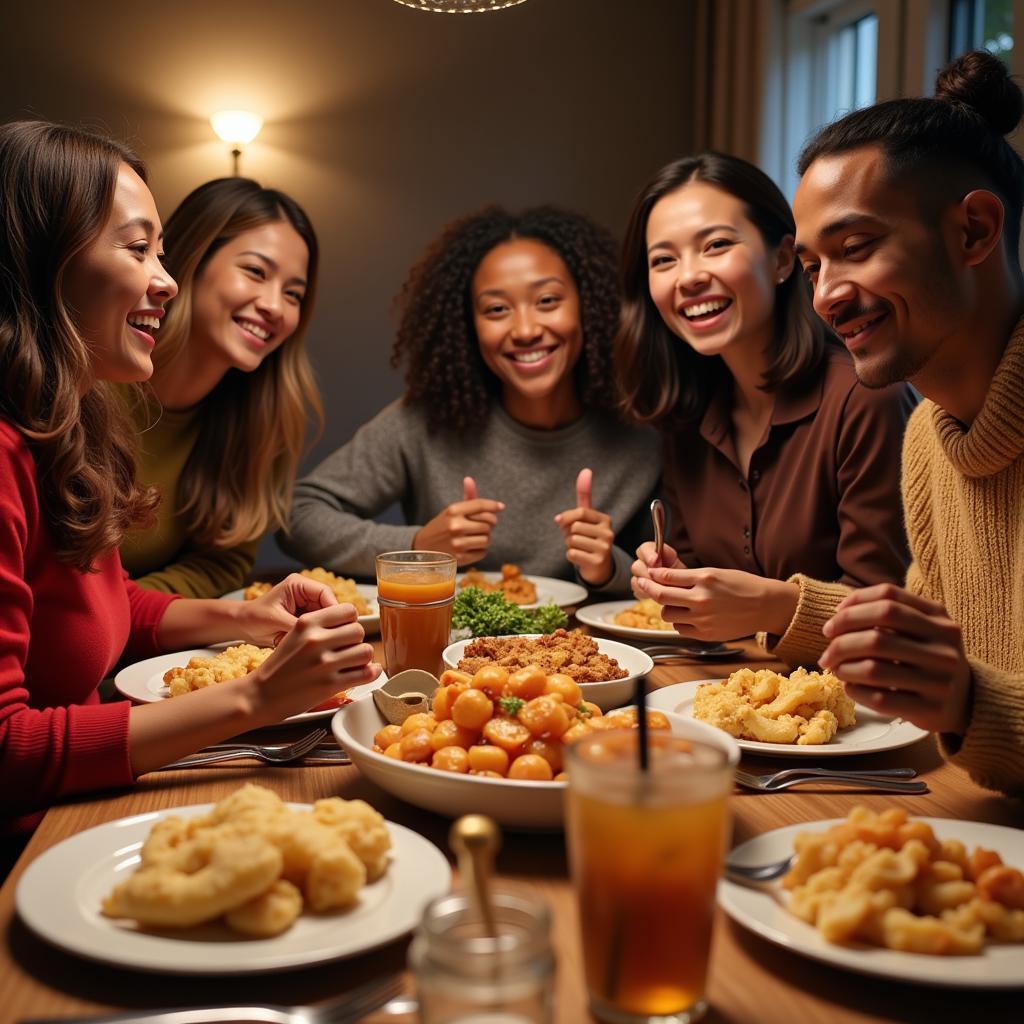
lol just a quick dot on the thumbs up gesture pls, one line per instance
(588, 534)
(463, 529)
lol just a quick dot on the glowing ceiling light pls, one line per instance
(459, 6)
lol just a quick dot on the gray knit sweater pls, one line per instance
(394, 458)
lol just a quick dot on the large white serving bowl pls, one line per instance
(612, 693)
(510, 802)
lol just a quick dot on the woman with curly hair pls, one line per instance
(224, 426)
(777, 461)
(82, 294)
(506, 446)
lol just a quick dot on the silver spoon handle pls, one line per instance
(658, 518)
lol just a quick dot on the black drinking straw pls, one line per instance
(617, 939)
(640, 699)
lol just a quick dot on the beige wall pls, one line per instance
(384, 122)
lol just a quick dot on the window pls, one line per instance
(827, 57)
(831, 66)
(854, 59)
(981, 25)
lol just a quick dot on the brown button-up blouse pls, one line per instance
(822, 494)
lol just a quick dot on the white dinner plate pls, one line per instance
(60, 893)
(549, 590)
(370, 622)
(872, 733)
(144, 683)
(763, 911)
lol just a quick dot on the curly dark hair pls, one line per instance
(437, 343)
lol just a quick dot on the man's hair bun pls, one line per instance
(982, 82)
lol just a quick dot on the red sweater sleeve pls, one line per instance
(147, 609)
(61, 631)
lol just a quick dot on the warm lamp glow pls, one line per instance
(237, 126)
(459, 6)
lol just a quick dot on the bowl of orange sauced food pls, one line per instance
(493, 742)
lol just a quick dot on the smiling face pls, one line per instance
(526, 311)
(247, 298)
(116, 288)
(883, 275)
(710, 273)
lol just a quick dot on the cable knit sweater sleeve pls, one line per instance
(939, 515)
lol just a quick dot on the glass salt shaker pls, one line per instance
(465, 975)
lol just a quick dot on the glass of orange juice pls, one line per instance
(646, 850)
(415, 591)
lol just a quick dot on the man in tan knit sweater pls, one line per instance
(908, 219)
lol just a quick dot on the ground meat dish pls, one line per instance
(573, 653)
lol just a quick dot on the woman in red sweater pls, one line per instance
(82, 291)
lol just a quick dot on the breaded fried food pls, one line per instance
(513, 584)
(889, 881)
(805, 708)
(570, 653)
(255, 862)
(230, 869)
(645, 614)
(344, 589)
(231, 663)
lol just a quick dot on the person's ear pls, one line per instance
(785, 259)
(981, 217)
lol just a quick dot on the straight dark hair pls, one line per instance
(945, 145)
(663, 381)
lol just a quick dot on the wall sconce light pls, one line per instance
(236, 127)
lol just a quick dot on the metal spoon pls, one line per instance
(658, 518)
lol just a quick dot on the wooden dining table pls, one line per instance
(751, 980)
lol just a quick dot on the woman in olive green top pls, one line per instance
(223, 425)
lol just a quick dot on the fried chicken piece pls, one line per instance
(513, 584)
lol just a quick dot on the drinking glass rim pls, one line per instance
(613, 768)
(413, 557)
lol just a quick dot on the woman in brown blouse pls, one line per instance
(777, 461)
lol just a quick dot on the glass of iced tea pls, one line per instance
(646, 850)
(415, 591)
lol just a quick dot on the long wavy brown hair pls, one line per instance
(237, 482)
(56, 193)
(444, 371)
(664, 381)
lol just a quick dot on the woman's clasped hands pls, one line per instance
(709, 603)
(319, 645)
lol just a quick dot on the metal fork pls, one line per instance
(278, 753)
(346, 1009)
(891, 780)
